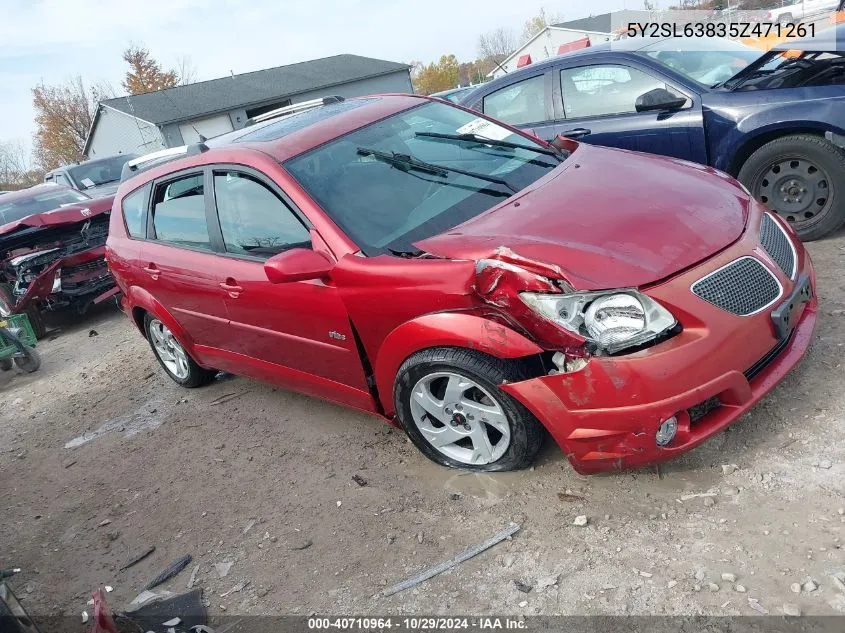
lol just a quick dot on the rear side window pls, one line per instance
(253, 220)
(523, 102)
(179, 212)
(135, 212)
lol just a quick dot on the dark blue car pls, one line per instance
(776, 121)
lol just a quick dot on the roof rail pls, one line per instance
(293, 109)
(170, 151)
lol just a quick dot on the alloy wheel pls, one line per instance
(169, 350)
(798, 190)
(460, 418)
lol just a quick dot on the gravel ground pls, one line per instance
(101, 457)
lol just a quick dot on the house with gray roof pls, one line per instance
(182, 115)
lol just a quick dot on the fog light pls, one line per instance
(666, 432)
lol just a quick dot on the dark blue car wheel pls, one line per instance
(800, 177)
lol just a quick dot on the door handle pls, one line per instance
(153, 271)
(232, 288)
(578, 131)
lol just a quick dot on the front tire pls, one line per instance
(800, 177)
(449, 403)
(173, 357)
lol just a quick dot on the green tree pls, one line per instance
(145, 74)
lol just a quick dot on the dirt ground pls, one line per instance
(243, 473)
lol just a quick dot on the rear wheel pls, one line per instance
(172, 356)
(7, 304)
(29, 363)
(449, 403)
(800, 177)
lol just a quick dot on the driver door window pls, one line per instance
(253, 220)
(520, 103)
(604, 90)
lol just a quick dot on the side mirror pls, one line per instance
(297, 264)
(659, 99)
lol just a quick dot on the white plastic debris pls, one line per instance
(84, 617)
(109, 588)
(172, 622)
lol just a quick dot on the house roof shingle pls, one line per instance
(217, 95)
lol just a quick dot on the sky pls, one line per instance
(54, 40)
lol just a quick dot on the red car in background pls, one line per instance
(52, 245)
(462, 279)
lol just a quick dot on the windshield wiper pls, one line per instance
(406, 162)
(475, 138)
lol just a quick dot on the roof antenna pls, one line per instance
(232, 72)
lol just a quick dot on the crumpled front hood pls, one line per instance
(70, 214)
(609, 219)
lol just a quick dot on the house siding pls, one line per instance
(119, 133)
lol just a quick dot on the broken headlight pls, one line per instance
(613, 320)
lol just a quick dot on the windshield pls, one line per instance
(380, 183)
(706, 62)
(793, 69)
(98, 172)
(40, 203)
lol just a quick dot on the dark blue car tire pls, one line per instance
(802, 178)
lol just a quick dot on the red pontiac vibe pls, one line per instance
(429, 265)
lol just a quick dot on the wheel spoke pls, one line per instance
(455, 388)
(490, 415)
(441, 437)
(482, 449)
(422, 396)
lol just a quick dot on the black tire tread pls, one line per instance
(836, 216)
(494, 371)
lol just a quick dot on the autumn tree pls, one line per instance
(16, 170)
(63, 116)
(536, 24)
(434, 77)
(145, 74)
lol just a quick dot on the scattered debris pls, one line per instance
(709, 502)
(713, 587)
(109, 588)
(740, 588)
(547, 581)
(795, 587)
(569, 497)
(237, 588)
(523, 604)
(249, 525)
(84, 617)
(839, 580)
(174, 568)
(70, 463)
(302, 544)
(644, 574)
(104, 523)
(93, 333)
(192, 580)
(759, 608)
(581, 520)
(339, 503)
(700, 575)
(729, 577)
(222, 569)
(358, 479)
(825, 463)
(419, 537)
(522, 586)
(172, 622)
(810, 586)
(226, 397)
(697, 495)
(791, 609)
(671, 584)
(431, 572)
(188, 607)
(727, 469)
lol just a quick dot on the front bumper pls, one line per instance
(605, 415)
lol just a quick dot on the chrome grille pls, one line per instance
(776, 243)
(743, 287)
